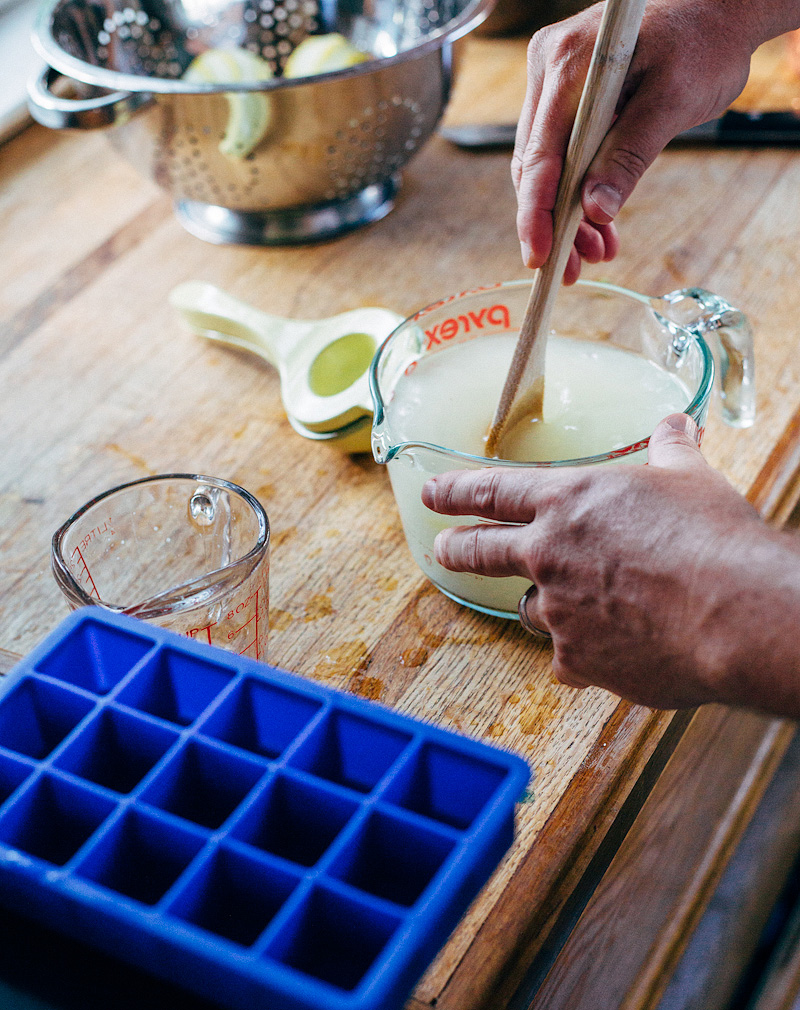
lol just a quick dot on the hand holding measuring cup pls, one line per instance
(183, 551)
(651, 579)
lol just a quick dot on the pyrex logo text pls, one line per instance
(497, 315)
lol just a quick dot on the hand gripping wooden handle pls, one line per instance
(523, 391)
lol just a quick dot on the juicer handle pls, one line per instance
(215, 314)
(728, 333)
(61, 113)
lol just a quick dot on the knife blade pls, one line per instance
(746, 129)
(731, 129)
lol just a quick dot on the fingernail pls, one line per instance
(607, 199)
(682, 423)
(527, 253)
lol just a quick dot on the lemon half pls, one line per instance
(322, 54)
(250, 112)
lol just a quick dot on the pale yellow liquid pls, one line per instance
(597, 398)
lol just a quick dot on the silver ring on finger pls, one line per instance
(525, 621)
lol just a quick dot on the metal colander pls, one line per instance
(330, 155)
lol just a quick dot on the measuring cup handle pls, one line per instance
(728, 333)
(60, 113)
(216, 314)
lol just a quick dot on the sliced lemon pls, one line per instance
(249, 112)
(321, 54)
(228, 66)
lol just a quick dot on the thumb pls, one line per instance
(675, 443)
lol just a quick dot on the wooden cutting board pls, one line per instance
(101, 384)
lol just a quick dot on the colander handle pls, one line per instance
(61, 113)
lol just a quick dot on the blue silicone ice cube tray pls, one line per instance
(255, 837)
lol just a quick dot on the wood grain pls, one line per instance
(639, 920)
(8, 660)
(726, 952)
(101, 383)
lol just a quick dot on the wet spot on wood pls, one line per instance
(350, 659)
(675, 262)
(265, 491)
(413, 657)
(388, 583)
(282, 536)
(453, 715)
(279, 620)
(536, 718)
(367, 687)
(320, 605)
(130, 456)
(477, 638)
(495, 729)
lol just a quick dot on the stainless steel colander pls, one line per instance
(330, 156)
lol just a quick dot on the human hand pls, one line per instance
(691, 60)
(635, 565)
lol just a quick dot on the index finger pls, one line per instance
(538, 162)
(506, 495)
(557, 63)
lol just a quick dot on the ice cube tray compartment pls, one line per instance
(295, 820)
(116, 750)
(253, 836)
(52, 819)
(351, 750)
(140, 856)
(203, 784)
(261, 718)
(94, 656)
(37, 716)
(175, 687)
(334, 938)
(235, 895)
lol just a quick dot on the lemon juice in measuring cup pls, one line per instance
(183, 551)
(617, 363)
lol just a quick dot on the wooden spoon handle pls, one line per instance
(616, 39)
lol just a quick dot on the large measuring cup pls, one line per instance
(183, 551)
(682, 332)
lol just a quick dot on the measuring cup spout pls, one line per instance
(381, 442)
(727, 332)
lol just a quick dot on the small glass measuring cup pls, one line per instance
(682, 332)
(183, 551)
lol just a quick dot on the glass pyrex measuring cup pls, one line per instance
(682, 332)
(183, 551)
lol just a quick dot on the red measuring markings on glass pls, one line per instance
(81, 572)
(78, 563)
(94, 534)
(244, 618)
(453, 298)
(494, 316)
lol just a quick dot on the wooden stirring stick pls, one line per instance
(523, 392)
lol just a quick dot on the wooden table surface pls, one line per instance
(102, 384)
